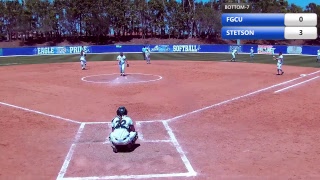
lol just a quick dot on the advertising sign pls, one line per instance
(266, 49)
(160, 48)
(186, 48)
(61, 50)
(294, 50)
(239, 48)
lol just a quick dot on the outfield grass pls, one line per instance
(305, 61)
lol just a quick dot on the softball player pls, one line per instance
(122, 61)
(83, 60)
(279, 63)
(234, 52)
(122, 120)
(148, 55)
(318, 57)
(251, 53)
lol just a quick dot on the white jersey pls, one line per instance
(234, 51)
(82, 55)
(126, 122)
(280, 60)
(147, 52)
(319, 52)
(251, 51)
(121, 59)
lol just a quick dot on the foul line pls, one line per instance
(176, 144)
(146, 176)
(239, 97)
(67, 159)
(283, 89)
(38, 112)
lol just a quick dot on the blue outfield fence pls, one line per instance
(68, 50)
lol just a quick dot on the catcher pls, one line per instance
(123, 131)
(122, 62)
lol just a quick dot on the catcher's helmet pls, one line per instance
(122, 111)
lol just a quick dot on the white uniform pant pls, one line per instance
(83, 62)
(279, 66)
(122, 68)
(132, 137)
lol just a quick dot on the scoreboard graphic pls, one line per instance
(238, 23)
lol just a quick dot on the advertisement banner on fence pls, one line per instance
(239, 48)
(265, 49)
(294, 50)
(186, 48)
(160, 48)
(60, 50)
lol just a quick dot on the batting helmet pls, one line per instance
(122, 111)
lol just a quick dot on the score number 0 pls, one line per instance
(300, 19)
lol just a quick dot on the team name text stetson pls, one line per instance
(240, 32)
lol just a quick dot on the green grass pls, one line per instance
(304, 61)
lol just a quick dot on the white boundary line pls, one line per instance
(172, 140)
(38, 112)
(176, 144)
(146, 176)
(140, 134)
(67, 159)
(141, 122)
(108, 82)
(239, 97)
(283, 89)
(141, 140)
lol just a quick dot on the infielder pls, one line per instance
(318, 57)
(234, 52)
(122, 120)
(251, 53)
(147, 52)
(122, 62)
(144, 52)
(279, 63)
(83, 60)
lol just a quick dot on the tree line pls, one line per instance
(98, 20)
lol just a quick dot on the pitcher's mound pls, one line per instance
(117, 79)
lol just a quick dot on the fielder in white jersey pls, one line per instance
(148, 52)
(83, 60)
(279, 64)
(122, 62)
(251, 53)
(234, 52)
(123, 121)
(318, 57)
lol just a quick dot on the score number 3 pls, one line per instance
(300, 19)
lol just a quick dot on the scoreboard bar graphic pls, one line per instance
(269, 26)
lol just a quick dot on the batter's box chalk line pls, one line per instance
(172, 139)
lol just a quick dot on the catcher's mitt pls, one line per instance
(127, 65)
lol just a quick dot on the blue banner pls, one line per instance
(60, 50)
